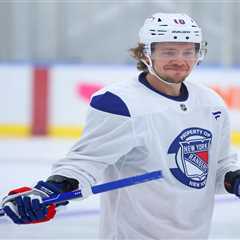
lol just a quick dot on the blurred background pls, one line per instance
(55, 54)
(101, 31)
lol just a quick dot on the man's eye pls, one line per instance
(190, 53)
(168, 53)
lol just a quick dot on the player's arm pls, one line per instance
(108, 135)
(228, 172)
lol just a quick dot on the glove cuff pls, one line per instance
(47, 187)
(64, 184)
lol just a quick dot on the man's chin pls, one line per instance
(176, 79)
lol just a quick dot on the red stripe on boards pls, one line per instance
(40, 101)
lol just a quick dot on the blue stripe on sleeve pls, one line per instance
(111, 103)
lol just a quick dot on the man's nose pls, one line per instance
(178, 61)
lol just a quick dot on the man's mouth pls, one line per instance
(176, 68)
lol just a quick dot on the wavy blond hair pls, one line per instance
(138, 54)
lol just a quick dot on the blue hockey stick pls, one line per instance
(105, 187)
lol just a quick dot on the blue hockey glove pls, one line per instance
(23, 205)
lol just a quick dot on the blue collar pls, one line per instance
(182, 97)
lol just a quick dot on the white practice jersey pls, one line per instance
(132, 129)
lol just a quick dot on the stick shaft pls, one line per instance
(105, 187)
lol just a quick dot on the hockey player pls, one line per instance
(158, 121)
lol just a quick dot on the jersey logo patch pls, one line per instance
(190, 150)
(216, 114)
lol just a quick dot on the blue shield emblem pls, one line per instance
(191, 150)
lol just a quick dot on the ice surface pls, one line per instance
(23, 162)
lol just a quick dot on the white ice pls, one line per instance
(24, 162)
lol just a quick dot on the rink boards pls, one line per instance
(52, 100)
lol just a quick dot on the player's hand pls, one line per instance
(232, 182)
(23, 205)
(236, 187)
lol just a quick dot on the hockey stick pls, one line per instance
(105, 187)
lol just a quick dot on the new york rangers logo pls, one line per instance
(189, 152)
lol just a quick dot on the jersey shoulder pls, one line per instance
(114, 98)
(205, 95)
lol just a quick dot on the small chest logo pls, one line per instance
(190, 151)
(217, 114)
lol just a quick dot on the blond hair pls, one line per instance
(138, 54)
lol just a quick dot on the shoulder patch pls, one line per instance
(111, 103)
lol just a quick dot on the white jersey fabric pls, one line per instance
(132, 129)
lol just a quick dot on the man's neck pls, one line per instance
(170, 90)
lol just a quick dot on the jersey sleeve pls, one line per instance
(108, 135)
(228, 159)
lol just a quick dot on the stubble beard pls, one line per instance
(171, 79)
(177, 79)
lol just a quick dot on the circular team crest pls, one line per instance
(190, 149)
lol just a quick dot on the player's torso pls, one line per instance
(180, 135)
(181, 139)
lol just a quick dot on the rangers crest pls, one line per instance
(190, 150)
